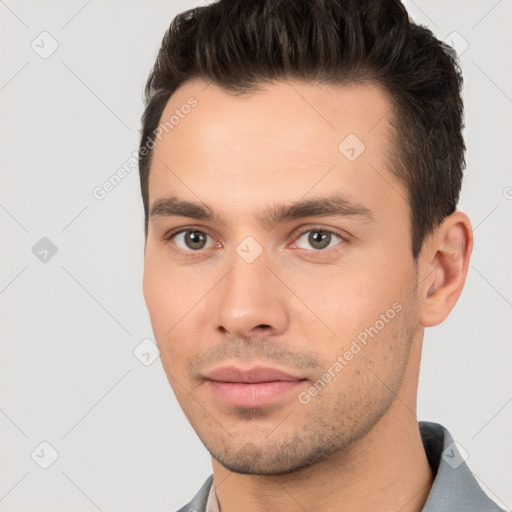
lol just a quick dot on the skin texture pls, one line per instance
(296, 307)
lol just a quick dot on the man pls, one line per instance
(301, 163)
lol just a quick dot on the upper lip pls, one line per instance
(252, 375)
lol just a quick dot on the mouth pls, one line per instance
(255, 387)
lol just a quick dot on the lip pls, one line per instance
(254, 387)
(249, 376)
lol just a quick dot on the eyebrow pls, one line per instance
(330, 206)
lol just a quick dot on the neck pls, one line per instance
(386, 470)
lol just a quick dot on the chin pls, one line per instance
(274, 459)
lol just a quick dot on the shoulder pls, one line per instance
(198, 503)
(455, 488)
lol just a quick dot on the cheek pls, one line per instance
(348, 308)
(168, 300)
(169, 290)
(345, 298)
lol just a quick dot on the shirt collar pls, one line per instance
(212, 505)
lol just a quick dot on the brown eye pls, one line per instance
(318, 239)
(195, 239)
(192, 240)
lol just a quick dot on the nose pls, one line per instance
(250, 300)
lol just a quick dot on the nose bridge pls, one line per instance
(250, 297)
(247, 279)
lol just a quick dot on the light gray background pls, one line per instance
(70, 325)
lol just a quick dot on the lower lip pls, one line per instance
(252, 395)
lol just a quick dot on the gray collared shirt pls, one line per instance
(455, 489)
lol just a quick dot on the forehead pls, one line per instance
(285, 140)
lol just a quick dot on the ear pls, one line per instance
(442, 268)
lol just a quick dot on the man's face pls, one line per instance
(248, 287)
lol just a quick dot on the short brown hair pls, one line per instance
(241, 44)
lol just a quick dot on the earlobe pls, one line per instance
(444, 264)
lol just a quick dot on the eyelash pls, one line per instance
(313, 252)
